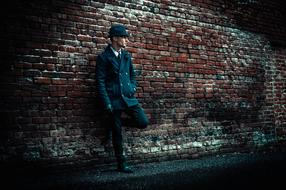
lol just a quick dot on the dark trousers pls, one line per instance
(137, 119)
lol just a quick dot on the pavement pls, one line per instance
(225, 171)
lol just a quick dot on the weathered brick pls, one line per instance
(42, 80)
(210, 80)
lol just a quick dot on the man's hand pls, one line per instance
(109, 109)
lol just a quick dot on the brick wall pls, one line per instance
(211, 78)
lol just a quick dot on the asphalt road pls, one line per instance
(229, 171)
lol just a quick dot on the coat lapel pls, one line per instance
(124, 58)
(111, 58)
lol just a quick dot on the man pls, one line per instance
(116, 84)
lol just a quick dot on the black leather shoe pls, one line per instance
(123, 168)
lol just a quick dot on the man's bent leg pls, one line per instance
(138, 117)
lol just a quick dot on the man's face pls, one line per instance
(121, 41)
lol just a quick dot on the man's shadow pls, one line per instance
(104, 132)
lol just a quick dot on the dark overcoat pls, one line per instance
(115, 79)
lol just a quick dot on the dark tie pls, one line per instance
(118, 57)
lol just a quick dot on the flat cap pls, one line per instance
(118, 30)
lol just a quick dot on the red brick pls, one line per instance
(42, 80)
(197, 78)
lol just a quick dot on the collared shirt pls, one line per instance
(116, 53)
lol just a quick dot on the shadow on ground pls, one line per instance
(229, 171)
